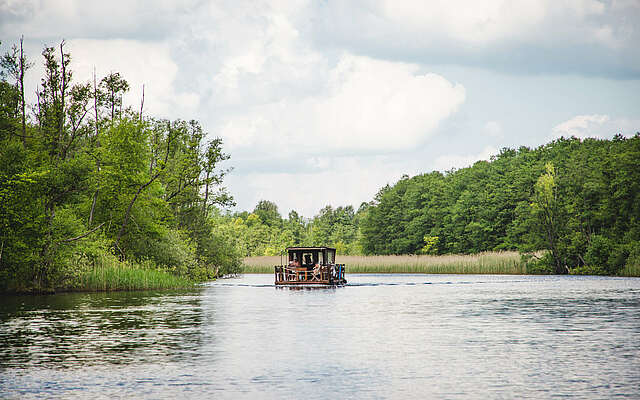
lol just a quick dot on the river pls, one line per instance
(382, 336)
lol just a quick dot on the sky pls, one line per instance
(324, 102)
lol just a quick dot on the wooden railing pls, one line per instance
(323, 273)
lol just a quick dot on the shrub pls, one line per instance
(588, 270)
(618, 258)
(179, 253)
(634, 254)
(598, 252)
(538, 266)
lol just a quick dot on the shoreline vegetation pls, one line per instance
(97, 195)
(121, 277)
(110, 275)
(487, 263)
(572, 202)
(115, 278)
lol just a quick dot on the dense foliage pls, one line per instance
(85, 182)
(578, 199)
(264, 232)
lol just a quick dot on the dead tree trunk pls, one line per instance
(23, 67)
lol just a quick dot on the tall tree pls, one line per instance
(546, 209)
(268, 213)
(16, 64)
(114, 87)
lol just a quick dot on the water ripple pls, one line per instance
(380, 336)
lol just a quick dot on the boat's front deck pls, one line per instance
(320, 275)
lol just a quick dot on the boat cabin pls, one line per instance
(310, 265)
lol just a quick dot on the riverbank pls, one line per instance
(116, 278)
(107, 274)
(495, 263)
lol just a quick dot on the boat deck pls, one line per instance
(320, 275)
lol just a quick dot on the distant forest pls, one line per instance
(86, 182)
(578, 199)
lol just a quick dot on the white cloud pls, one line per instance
(481, 22)
(580, 126)
(595, 126)
(519, 36)
(474, 22)
(139, 63)
(449, 161)
(253, 61)
(366, 105)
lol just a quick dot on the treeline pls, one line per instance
(265, 232)
(87, 182)
(577, 199)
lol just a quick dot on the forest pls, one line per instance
(569, 206)
(86, 183)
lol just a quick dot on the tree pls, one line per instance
(113, 87)
(268, 213)
(16, 64)
(545, 208)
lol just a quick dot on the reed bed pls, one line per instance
(105, 273)
(632, 270)
(507, 262)
(113, 278)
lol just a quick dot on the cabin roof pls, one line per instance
(309, 248)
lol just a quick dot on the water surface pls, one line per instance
(382, 336)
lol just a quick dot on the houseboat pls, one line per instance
(310, 266)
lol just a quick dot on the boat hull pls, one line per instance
(312, 283)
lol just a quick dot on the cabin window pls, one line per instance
(307, 258)
(331, 255)
(320, 258)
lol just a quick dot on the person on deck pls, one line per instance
(294, 263)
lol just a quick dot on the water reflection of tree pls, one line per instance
(80, 329)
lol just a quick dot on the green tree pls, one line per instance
(268, 213)
(545, 208)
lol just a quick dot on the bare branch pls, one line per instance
(142, 103)
(82, 236)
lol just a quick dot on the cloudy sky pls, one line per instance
(323, 102)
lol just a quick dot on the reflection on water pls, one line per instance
(70, 330)
(382, 336)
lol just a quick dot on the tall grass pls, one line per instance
(128, 278)
(109, 274)
(508, 262)
(630, 270)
